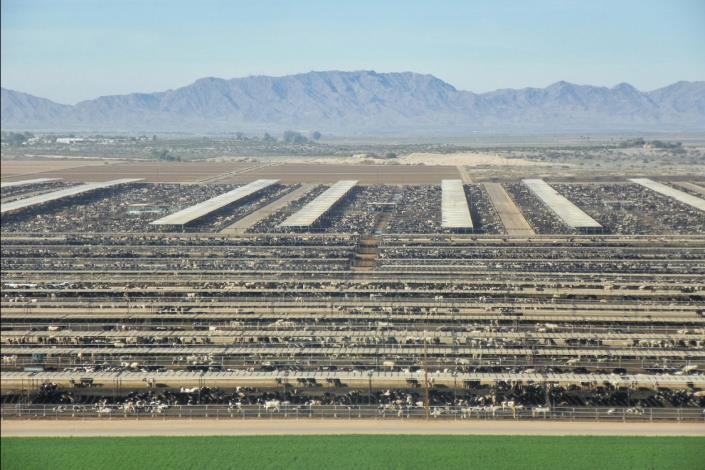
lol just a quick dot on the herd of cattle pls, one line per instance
(377, 308)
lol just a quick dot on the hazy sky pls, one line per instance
(78, 49)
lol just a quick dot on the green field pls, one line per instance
(358, 452)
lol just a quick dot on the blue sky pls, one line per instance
(79, 49)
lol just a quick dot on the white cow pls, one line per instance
(103, 410)
(272, 405)
(540, 411)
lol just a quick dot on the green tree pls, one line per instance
(293, 137)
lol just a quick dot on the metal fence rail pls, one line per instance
(109, 412)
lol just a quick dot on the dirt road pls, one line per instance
(511, 216)
(692, 186)
(273, 427)
(262, 213)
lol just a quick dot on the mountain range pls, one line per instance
(365, 103)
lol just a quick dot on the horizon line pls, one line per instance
(353, 72)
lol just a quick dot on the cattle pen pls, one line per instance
(352, 301)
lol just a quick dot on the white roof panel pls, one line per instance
(204, 208)
(571, 214)
(455, 212)
(27, 182)
(671, 192)
(63, 193)
(311, 212)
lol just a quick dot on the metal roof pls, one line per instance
(311, 212)
(63, 193)
(455, 212)
(569, 213)
(27, 182)
(204, 208)
(671, 192)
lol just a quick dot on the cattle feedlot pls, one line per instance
(139, 307)
(525, 300)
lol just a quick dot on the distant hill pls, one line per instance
(366, 103)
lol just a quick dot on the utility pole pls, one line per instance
(425, 379)
(369, 387)
(546, 390)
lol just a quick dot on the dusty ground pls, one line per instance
(512, 218)
(272, 427)
(241, 226)
(233, 172)
(91, 171)
(13, 170)
(416, 168)
(470, 159)
(366, 174)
